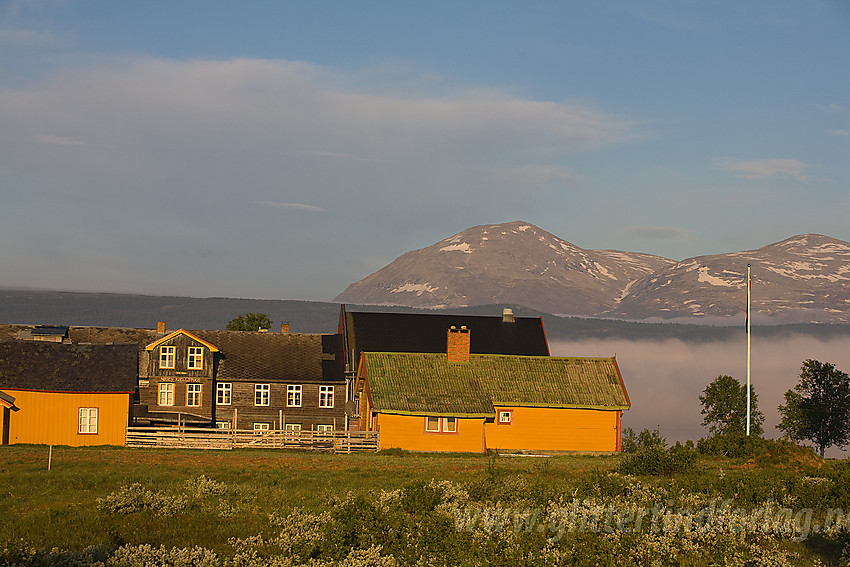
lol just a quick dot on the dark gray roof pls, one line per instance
(246, 355)
(57, 367)
(426, 333)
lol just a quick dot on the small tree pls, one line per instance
(249, 322)
(724, 405)
(818, 408)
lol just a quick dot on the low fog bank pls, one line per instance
(665, 378)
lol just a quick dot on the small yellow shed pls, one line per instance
(66, 394)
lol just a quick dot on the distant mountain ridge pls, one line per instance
(802, 279)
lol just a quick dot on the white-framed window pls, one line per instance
(195, 360)
(260, 428)
(223, 392)
(222, 425)
(505, 417)
(88, 421)
(324, 429)
(326, 396)
(193, 395)
(293, 396)
(166, 394)
(166, 357)
(293, 427)
(435, 424)
(432, 424)
(261, 394)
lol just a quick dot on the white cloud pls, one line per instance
(323, 154)
(764, 168)
(61, 141)
(297, 206)
(838, 132)
(239, 112)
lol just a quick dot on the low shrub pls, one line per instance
(733, 446)
(658, 460)
(633, 442)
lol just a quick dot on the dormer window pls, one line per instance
(166, 356)
(196, 358)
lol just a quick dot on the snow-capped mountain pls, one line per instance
(512, 263)
(803, 278)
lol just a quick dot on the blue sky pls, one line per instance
(287, 149)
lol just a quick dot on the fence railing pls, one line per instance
(182, 437)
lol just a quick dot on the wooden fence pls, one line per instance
(207, 438)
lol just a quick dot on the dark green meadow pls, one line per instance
(118, 506)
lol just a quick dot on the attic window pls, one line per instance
(166, 356)
(196, 358)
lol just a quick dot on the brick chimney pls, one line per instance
(284, 328)
(457, 347)
(160, 327)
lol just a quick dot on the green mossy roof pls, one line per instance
(429, 384)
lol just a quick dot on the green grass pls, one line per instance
(59, 508)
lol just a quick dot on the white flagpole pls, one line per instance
(749, 292)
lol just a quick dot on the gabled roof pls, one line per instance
(170, 336)
(426, 333)
(424, 384)
(249, 355)
(57, 367)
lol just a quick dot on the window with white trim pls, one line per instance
(222, 393)
(293, 396)
(260, 428)
(324, 429)
(326, 396)
(88, 421)
(435, 424)
(505, 417)
(432, 424)
(166, 357)
(195, 360)
(261, 394)
(222, 425)
(293, 427)
(166, 394)
(193, 395)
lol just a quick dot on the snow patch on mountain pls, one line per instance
(418, 289)
(459, 247)
(705, 277)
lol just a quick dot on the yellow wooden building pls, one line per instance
(66, 394)
(471, 403)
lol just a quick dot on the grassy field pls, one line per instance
(120, 506)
